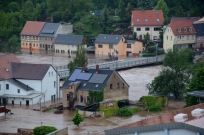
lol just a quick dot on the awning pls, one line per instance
(29, 96)
(199, 93)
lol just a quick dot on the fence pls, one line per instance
(63, 131)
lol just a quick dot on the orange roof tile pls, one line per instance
(5, 61)
(32, 28)
(147, 17)
(183, 26)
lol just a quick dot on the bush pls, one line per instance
(149, 100)
(148, 54)
(134, 110)
(125, 111)
(43, 130)
(154, 108)
(109, 111)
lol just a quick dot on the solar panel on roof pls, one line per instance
(84, 76)
(98, 78)
(74, 75)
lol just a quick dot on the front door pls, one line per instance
(4, 101)
(27, 102)
(12, 102)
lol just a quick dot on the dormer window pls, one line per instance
(146, 20)
(157, 12)
(84, 84)
(179, 30)
(185, 29)
(190, 29)
(138, 20)
(158, 20)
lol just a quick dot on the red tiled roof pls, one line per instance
(154, 17)
(183, 26)
(165, 118)
(5, 61)
(32, 28)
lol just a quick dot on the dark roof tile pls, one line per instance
(49, 29)
(69, 39)
(108, 39)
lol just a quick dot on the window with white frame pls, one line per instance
(110, 46)
(192, 37)
(147, 29)
(183, 38)
(138, 29)
(158, 20)
(100, 46)
(128, 45)
(187, 37)
(138, 20)
(146, 20)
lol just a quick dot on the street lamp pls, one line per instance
(52, 61)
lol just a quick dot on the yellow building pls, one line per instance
(180, 33)
(108, 45)
(68, 43)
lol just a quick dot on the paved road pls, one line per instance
(120, 64)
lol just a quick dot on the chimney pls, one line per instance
(97, 68)
(84, 68)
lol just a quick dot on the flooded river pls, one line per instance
(25, 117)
(137, 78)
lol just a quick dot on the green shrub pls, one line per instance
(154, 108)
(43, 130)
(149, 100)
(148, 54)
(125, 111)
(134, 110)
(162, 101)
(109, 111)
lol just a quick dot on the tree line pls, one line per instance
(14, 14)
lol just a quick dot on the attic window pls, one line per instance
(146, 20)
(158, 20)
(185, 29)
(190, 29)
(6, 69)
(84, 84)
(138, 20)
(157, 12)
(96, 85)
(179, 30)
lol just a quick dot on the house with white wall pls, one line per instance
(68, 43)
(23, 83)
(180, 33)
(147, 21)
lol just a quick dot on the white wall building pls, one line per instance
(24, 83)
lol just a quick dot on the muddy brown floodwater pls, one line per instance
(25, 117)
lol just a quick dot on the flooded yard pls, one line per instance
(25, 117)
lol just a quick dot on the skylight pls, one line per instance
(146, 20)
(138, 20)
(157, 20)
(96, 85)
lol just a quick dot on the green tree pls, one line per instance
(146, 39)
(133, 3)
(66, 16)
(135, 35)
(121, 10)
(128, 12)
(105, 20)
(13, 44)
(179, 12)
(78, 118)
(79, 60)
(175, 75)
(161, 5)
(144, 4)
(196, 84)
(14, 7)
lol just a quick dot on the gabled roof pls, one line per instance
(108, 39)
(183, 25)
(199, 29)
(87, 83)
(69, 39)
(159, 127)
(32, 28)
(29, 71)
(5, 69)
(147, 17)
(20, 84)
(49, 29)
